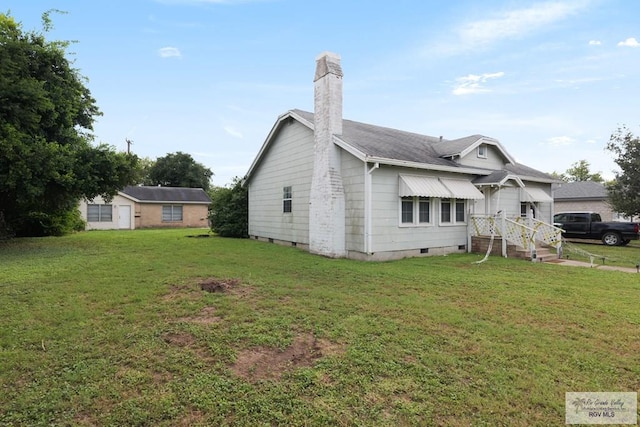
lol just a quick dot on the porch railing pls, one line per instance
(545, 233)
(509, 230)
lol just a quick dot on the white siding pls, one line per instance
(544, 210)
(115, 204)
(506, 200)
(288, 162)
(390, 235)
(494, 159)
(353, 182)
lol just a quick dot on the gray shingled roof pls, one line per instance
(378, 141)
(167, 194)
(584, 190)
(393, 144)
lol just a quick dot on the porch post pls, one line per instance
(503, 226)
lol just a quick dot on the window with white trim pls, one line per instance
(482, 151)
(415, 210)
(171, 213)
(453, 211)
(99, 213)
(287, 199)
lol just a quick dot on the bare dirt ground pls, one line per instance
(256, 363)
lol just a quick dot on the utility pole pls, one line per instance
(129, 144)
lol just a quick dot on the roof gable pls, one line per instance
(151, 194)
(463, 146)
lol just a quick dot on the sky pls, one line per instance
(551, 80)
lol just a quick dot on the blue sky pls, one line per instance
(551, 80)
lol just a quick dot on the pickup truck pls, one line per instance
(589, 225)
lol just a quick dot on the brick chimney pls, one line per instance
(326, 200)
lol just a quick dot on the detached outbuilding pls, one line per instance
(148, 207)
(342, 188)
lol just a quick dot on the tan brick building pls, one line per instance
(148, 207)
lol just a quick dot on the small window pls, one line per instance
(286, 199)
(445, 211)
(424, 210)
(407, 210)
(99, 213)
(172, 213)
(460, 210)
(482, 151)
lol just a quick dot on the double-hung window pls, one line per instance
(99, 213)
(287, 199)
(453, 211)
(171, 213)
(415, 210)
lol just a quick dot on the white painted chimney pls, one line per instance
(326, 200)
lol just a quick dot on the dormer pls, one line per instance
(475, 151)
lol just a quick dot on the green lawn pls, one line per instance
(113, 328)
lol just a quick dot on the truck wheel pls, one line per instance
(611, 238)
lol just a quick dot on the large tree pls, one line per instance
(179, 170)
(229, 210)
(624, 190)
(579, 171)
(47, 158)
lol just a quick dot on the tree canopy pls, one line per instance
(47, 159)
(624, 190)
(179, 170)
(229, 210)
(579, 171)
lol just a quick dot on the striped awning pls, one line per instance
(534, 195)
(461, 189)
(422, 186)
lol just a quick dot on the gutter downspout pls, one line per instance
(368, 206)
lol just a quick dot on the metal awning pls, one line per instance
(422, 186)
(534, 195)
(461, 189)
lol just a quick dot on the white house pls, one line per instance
(342, 188)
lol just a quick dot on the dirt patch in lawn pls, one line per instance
(205, 317)
(219, 285)
(265, 363)
(209, 284)
(179, 339)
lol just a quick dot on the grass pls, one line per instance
(594, 251)
(108, 328)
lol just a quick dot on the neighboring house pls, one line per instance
(148, 207)
(582, 196)
(342, 188)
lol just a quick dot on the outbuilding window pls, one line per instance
(172, 213)
(99, 213)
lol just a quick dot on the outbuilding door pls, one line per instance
(124, 217)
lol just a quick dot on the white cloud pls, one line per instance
(561, 140)
(233, 132)
(630, 42)
(473, 83)
(595, 42)
(169, 52)
(516, 23)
